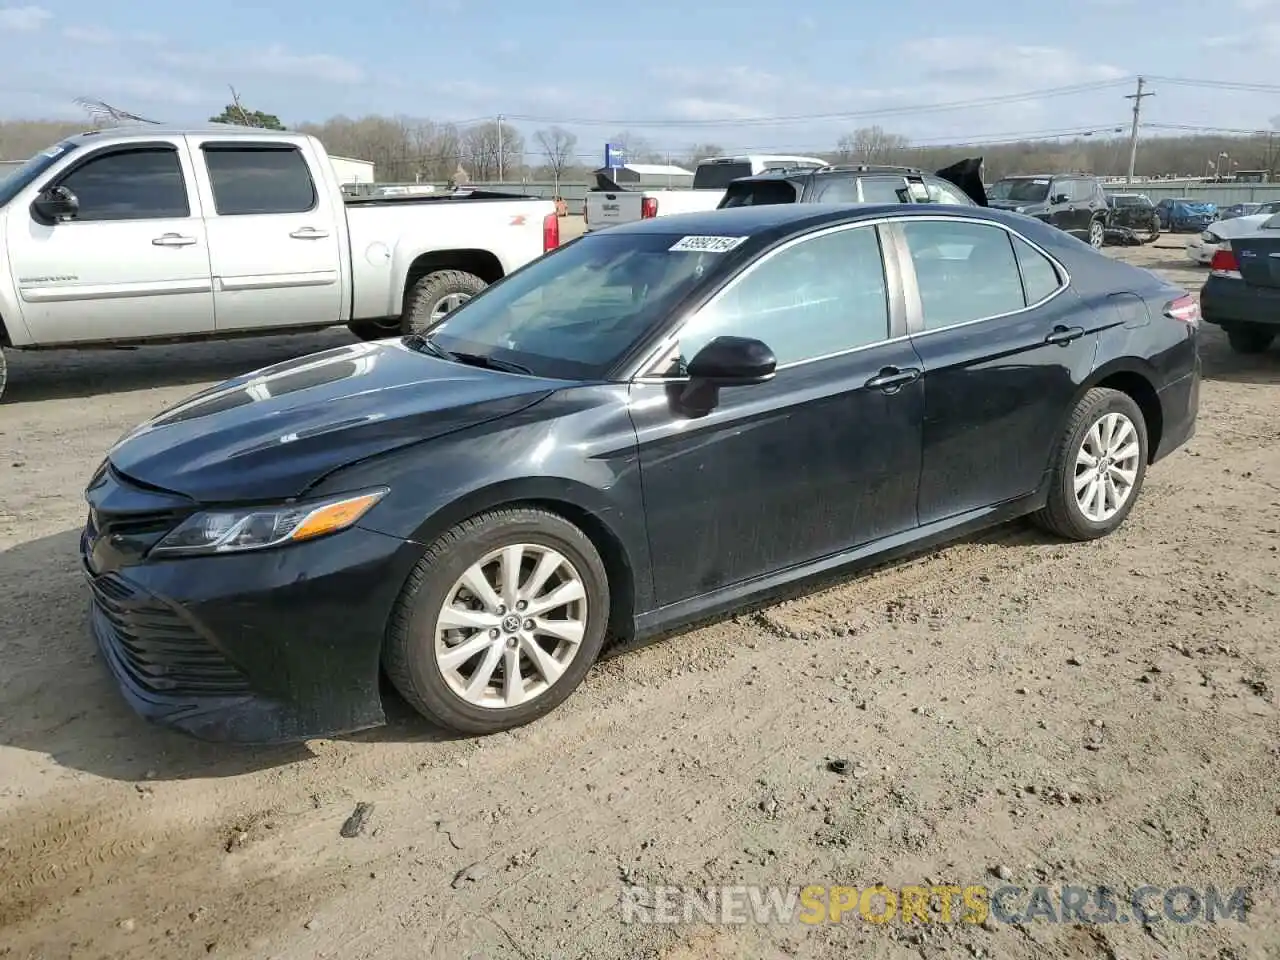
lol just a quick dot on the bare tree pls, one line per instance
(492, 151)
(636, 148)
(870, 145)
(557, 144)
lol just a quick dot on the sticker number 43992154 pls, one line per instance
(707, 244)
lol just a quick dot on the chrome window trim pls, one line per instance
(894, 246)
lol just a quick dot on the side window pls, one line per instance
(1059, 189)
(965, 271)
(884, 189)
(821, 296)
(130, 185)
(1039, 275)
(942, 192)
(255, 180)
(837, 190)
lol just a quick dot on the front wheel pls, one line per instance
(1098, 467)
(435, 296)
(1250, 339)
(1097, 234)
(499, 622)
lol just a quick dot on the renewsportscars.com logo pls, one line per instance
(932, 903)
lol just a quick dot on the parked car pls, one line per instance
(653, 424)
(132, 235)
(1074, 203)
(959, 184)
(1131, 218)
(1238, 210)
(610, 204)
(1179, 216)
(1201, 247)
(1242, 293)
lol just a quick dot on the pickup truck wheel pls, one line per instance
(435, 296)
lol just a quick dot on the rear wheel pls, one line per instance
(1098, 468)
(1097, 233)
(435, 296)
(499, 622)
(1250, 339)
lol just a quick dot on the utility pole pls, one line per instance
(501, 148)
(1133, 134)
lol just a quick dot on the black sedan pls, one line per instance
(653, 424)
(1242, 293)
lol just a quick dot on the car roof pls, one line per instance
(785, 218)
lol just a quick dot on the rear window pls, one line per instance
(759, 193)
(717, 176)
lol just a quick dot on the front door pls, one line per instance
(132, 263)
(1004, 344)
(273, 236)
(809, 464)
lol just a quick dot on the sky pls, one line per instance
(749, 75)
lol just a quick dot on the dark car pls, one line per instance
(1132, 218)
(1242, 293)
(959, 184)
(1182, 215)
(654, 424)
(1238, 210)
(1074, 203)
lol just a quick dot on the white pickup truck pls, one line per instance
(147, 234)
(609, 204)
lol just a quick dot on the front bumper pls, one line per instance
(1200, 250)
(263, 647)
(1225, 302)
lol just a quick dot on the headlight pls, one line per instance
(255, 528)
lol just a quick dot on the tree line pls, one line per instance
(406, 150)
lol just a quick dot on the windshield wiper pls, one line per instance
(417, 341)
(490, 363)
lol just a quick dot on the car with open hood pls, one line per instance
(651, 425)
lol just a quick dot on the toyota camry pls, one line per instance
(655, 424)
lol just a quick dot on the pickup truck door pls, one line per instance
(133, 262)
(273, 227)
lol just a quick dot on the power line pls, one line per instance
(821, 117)
(1218, 84)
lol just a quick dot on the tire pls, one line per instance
(410, 653)
(428, 295)
(1250, 340)
(373, 330)
(1063, 514)
(1097, 233)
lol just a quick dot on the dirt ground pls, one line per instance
(1013, 709)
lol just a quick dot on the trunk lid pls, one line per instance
(1259, 259)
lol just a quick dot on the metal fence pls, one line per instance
(1223, 194)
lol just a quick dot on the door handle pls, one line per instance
(891, 379)
(1064, 335)
(309, 233)
(172, 240)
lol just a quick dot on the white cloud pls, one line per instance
(91, 35)
(274, 60)
(24, 19)
(1019, 67)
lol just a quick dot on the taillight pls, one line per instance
(1225, 264)
(648, 207)
(1186, 308)
(550, 232)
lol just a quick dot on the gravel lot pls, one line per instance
(1052, 713)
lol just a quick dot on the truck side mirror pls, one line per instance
(56, 203)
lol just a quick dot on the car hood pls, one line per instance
(1240, 226)
(1012, 204)
(967, 175)
(271, 434)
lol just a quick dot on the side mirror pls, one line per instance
(56, 203)
(1058, 198)
(733, 361)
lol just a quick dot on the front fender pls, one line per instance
(13, 328)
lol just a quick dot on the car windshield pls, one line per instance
(574, 313)
(1122, 201)
(717, 176)
(17, 181)
(1021, 191)
(1272, 224)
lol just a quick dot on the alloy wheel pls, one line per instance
(511, 625)
(447, 304)
(1106, 467)
(1097, 234)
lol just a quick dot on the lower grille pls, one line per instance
(156, 647)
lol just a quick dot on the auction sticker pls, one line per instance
(708, 244)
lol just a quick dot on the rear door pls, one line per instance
(274, 243)
(1004, 343)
